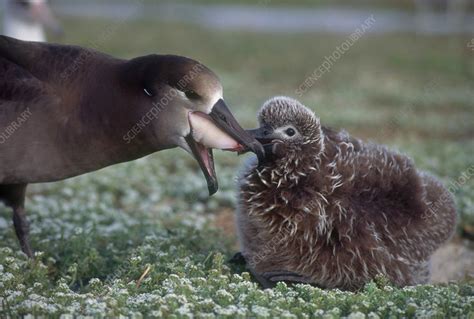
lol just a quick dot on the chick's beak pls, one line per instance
(265, 135)
(262, 134)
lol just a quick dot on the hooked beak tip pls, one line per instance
(212, 188)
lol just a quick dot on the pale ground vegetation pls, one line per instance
(97, 234)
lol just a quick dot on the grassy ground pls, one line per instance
(100, 232)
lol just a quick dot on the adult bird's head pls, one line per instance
(183, 102)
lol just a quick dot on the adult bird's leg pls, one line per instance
(22, 229)
(14, 196)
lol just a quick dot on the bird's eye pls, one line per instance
(147, 92)
(290, 131)
(191, 95)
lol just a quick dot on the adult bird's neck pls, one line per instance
(109, 111)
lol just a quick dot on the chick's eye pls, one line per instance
(191, 95)
(290, 131)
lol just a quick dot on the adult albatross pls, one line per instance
(66, 111)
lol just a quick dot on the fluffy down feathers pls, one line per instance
(338, 211)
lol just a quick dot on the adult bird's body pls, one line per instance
(65, 111)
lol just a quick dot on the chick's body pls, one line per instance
(335, 211)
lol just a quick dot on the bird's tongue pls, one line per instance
(206, 133)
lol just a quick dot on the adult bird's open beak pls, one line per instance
(218, 129)
(205, 159)
(224, 119)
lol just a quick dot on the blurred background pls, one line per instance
(399, 73)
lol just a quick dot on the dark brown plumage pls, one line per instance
(66, 110)
(331, 210)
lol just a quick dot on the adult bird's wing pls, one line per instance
(59, 87)
(19, 91)
(28, 97)
(28, 78)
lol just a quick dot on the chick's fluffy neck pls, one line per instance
(291, 163)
